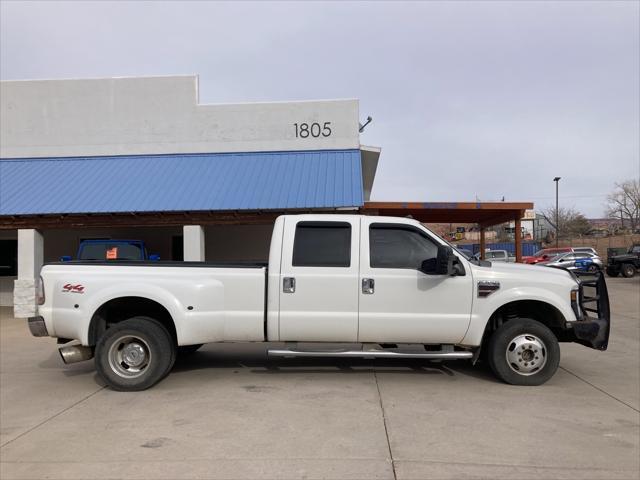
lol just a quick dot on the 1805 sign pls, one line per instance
(315, 130)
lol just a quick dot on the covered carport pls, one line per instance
(485, 214)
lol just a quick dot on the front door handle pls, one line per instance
(289, 285)
(368, 286)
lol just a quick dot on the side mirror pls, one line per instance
(65, 258)
(443, 264)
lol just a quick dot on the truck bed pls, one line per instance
(208, 301)
(165, 263)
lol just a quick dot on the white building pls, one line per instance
(142, 158)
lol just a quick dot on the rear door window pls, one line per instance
(322, 244)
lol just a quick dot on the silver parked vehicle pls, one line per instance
(576, 261)
(590, 250)
(496, 256)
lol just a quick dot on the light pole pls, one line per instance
(557, 180)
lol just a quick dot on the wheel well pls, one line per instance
(123, 308)
(542, 312)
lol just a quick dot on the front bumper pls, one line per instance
(37, 327)
(593, 327)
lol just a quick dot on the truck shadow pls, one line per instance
(258, 362)
(203, 360)
(255, 359)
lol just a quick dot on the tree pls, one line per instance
(571, 222)
(624, 203)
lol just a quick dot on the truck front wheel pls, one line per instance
(524, 352)
(135, 354)
(628, 270)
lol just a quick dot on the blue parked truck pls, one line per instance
(103, 249)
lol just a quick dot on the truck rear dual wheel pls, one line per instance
(524, 352)
(135, 354)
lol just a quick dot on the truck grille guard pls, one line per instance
(594, 317)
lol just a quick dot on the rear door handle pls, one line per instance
(368, 286)
(289, 285)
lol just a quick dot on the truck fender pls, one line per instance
(484, 308)
(151, 292)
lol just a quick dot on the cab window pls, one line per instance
(399, 246)
(322, 244)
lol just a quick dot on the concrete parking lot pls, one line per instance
(229, 412)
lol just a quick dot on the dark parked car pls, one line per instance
(627, 264)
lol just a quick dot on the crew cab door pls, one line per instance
(399, 303)
(319, 279)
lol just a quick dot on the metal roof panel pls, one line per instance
(193, 182)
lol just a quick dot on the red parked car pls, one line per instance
(545, 255)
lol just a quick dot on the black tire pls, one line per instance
(173, 352)
(530, 338)
(593, 269)
(147, 341)
(613, 272)
(628, 270)
(186, 350)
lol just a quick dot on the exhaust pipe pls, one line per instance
(75, 353)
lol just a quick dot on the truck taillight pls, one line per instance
(40, 291)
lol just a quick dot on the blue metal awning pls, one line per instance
(187, 182)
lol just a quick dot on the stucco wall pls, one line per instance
(155, 115)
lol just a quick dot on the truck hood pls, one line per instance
(525, 273)
(523, 268)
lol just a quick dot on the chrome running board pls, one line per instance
(370, 354)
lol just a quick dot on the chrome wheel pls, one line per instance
(526, 354)
(129, 356)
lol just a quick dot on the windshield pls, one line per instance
(465, 253)
(455, 248)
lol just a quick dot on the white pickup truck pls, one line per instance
(386, 284)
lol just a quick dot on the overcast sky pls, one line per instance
(469, 99)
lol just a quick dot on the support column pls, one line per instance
(193, 243)
(30, 259)
(482, 243)
(518, 238)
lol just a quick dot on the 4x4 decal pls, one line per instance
(73, 288)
